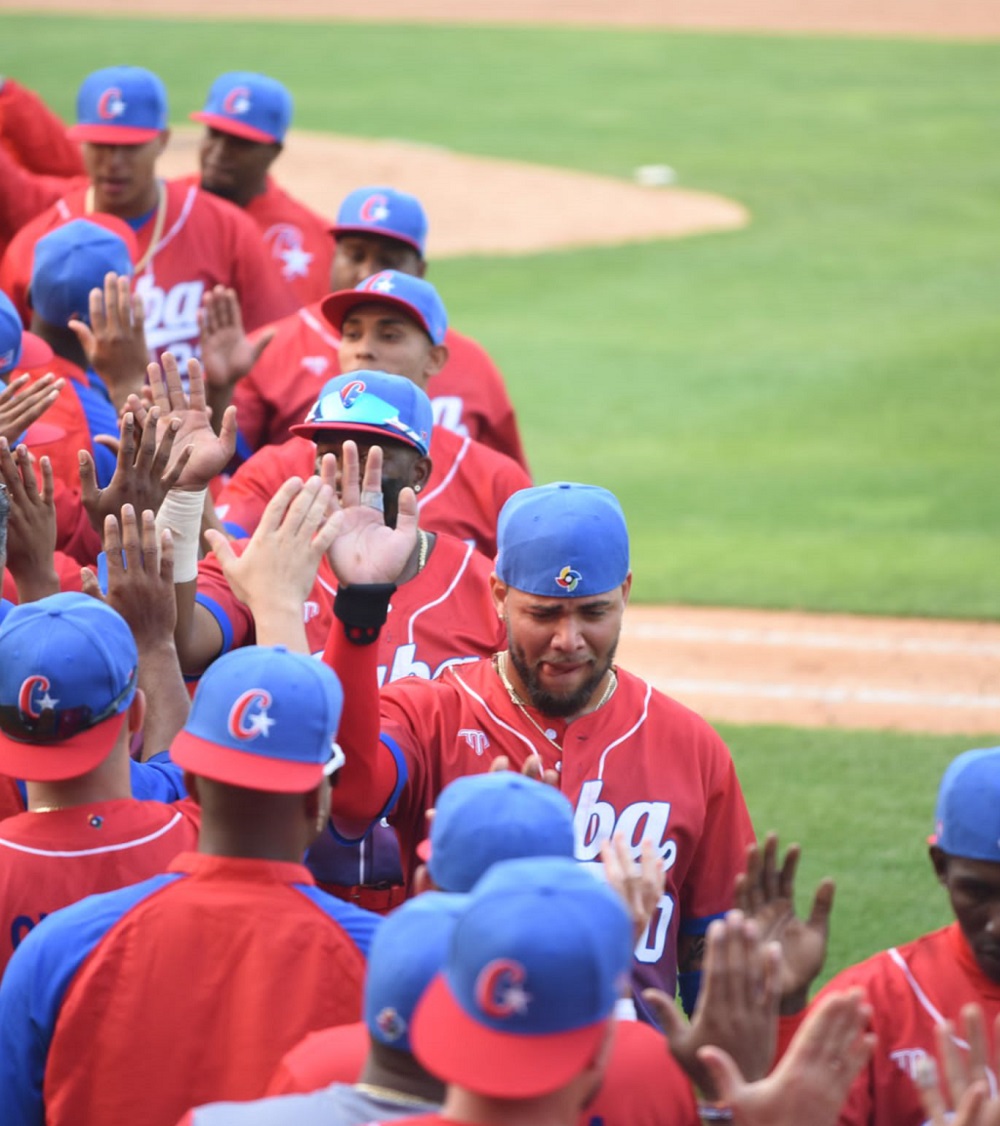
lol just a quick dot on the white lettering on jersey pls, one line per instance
(448, 413)
(908, 1060)
(405, 663)
(171, 316)
(310, 610)
(317, 365)
(476, 739)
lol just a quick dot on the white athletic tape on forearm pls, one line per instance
(181, 513)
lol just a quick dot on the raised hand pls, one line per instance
(639, 886)
(766, 894)
(962, 1078)
(227, 354)
(115, 340)
(530, 768)
(812, 1079)
(31, 523)
(737, 1007)
(365, 550)
(141, 476)
(210, 453)
(22, 403)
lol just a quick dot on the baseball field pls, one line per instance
(799, 413)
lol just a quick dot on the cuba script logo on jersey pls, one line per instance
(110, 104)
(29, 703)
(908, 1060)
(171, 317)
(248, 716)
(448, 413)
(406, 663)
(500, 989)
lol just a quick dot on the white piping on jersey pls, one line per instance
(63, 209)
(492, 714)
(319, 329)
(95, 851)
(176, 228)
(428, 497)
(631, 731)
(451, 586)
(933, 1012)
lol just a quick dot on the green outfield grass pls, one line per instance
(802, 414)
(861, 804)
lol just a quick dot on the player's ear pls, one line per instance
(626, 588)
(437, 357)
(498, 589)
(421, 267)
(162, 141)
(137, 715)
(939, 860)
(421, 473)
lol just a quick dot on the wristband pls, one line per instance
(181, 513)
(715, 1112)
(363, 609)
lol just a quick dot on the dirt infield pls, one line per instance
(737, 665)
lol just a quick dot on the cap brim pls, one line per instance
(234, 128)
(358, 229)
(243, 768)
(455, 1048)
(309, 429)
(34, 351)
(112, 134)
(336, 307)
(62, 760)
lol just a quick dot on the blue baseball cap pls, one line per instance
(263, 718)
(68, 672)
(967, 817)
(386, 212)
(562, 540)
(408, 951)
(373, 402)
(537, 962)
(18, 349)
(481, 819)
(120, 105)
(71, 261)
(417, 298)
(248, 105)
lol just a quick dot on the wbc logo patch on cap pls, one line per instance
(28, 703)
(568, 579)
(500, 988)
(390, 1023)
(110, 104)
(237, 101)
(248, 717)
(374, 210)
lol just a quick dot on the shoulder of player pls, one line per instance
(446, 446)
(454, 684)
(293, 458)
(278, 202)
(463, 349)
(116, 821)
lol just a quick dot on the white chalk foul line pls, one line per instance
(790, 639)
(832, 695)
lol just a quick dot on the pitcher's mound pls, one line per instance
(482, 206)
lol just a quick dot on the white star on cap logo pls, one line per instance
(383, 285)
(261, 723)
(46, 701)
(516, 998)
(380, 213)
(116, 108)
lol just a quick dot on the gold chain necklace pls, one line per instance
(424, 541)
(388, 1095)
(161, 218)
(501, 667)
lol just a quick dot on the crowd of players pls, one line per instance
(417, 848)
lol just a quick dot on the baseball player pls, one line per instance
(914, 988)
(386, 1081)
(189, 240)
(246, 117)
(376, 229)
(396, 323)
(222, 964)
(69, 706)
(631, 760)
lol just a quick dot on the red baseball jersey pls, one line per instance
(205, 242)
(443, 616)
(49, 860)
(215, 968)
(642, 765)
(299, 240)
(34, 135)
(468, 486)
(912, 989)
(68, 416)
(468, 395)
(643, 1085)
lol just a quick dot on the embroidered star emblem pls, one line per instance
(116, 107)
(517, 998)
(47, 701)
(380, 213)
(383, 285)
(296, 262)
(261, 723)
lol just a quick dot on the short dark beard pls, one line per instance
(560, 707)
(228, 194)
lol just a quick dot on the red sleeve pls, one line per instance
(368, 779)
(264, 297)
(332, 1055)
(15, 269)
(74, 533)
(24, 194)
(216, 595)
(251, 408)
(246, 494)
(35, 135)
